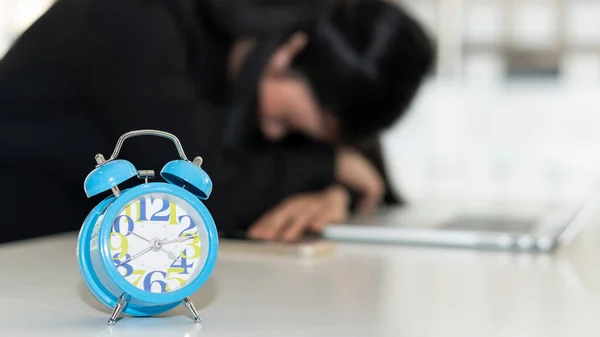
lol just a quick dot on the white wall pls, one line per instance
(476, 134)
(16, 16)
(527, 140)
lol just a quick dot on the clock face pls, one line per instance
(157, 243)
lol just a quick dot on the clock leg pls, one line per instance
(188, 304)
(121, 303)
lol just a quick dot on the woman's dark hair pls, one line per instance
(365, 61)
(263, 18)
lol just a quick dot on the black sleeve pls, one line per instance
(135, 75)
(372, 149)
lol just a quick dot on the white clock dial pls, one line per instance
(158, 243)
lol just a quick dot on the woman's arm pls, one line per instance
(371, 149)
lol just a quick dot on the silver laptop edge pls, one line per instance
(559, 229)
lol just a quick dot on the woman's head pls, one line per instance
(348, 71)
(353, 74)
(365, 63)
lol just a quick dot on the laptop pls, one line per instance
(477, 224)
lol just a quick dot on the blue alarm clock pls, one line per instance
(145, 250)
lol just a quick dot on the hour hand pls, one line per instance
(139, 236)
(169, 254)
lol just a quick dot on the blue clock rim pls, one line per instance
(158, 298)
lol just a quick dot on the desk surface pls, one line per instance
(361, 291)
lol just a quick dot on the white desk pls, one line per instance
(363, 291)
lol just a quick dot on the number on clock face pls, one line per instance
(155, 244)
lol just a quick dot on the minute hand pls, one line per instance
(181, 239)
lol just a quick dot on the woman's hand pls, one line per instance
(358, 173)
(300, 214)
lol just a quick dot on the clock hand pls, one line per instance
(140, 237)
(180, 239)
(169, 254)
(136, 255)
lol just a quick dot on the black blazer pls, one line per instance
(88, 71)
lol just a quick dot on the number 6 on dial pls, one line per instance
(145, 250)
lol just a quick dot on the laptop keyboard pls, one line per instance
(490, 225)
